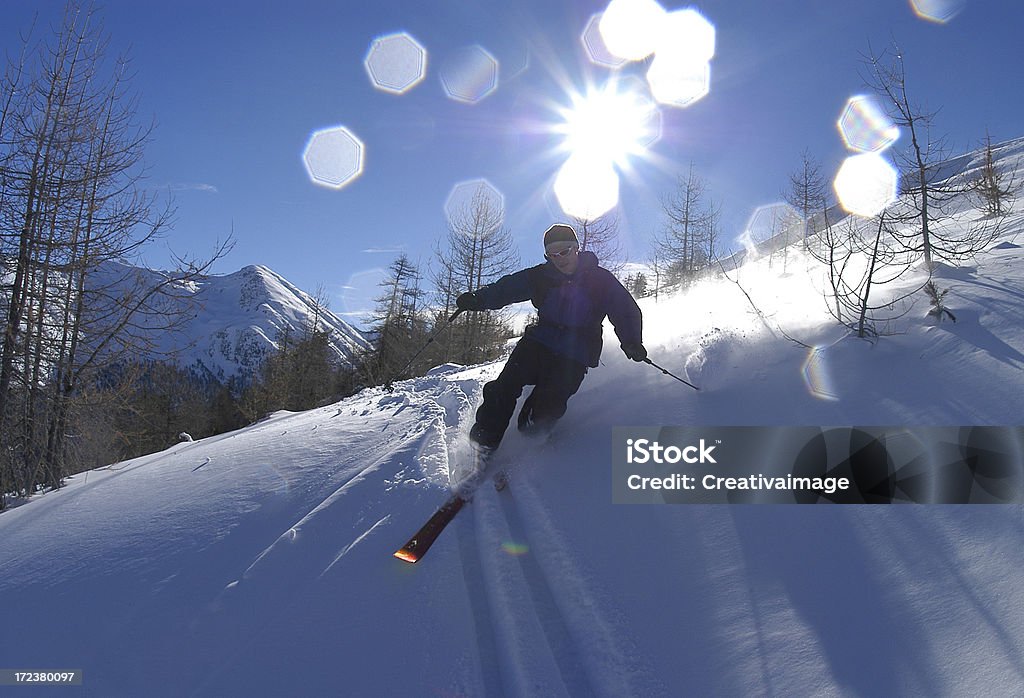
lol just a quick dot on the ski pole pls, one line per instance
(669, 373)
(388, 386)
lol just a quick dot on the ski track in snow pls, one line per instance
(539, 627)
(558, 583)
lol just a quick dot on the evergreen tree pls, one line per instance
(398, 321)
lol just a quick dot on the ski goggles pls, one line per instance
(563, 253)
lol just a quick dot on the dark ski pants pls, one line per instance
(555, 378)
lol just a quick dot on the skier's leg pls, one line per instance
(501, 394)
(525, 419)
(559, 380)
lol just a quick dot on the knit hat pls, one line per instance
(559, 233)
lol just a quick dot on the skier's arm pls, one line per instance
(624, 314)
(509, 289)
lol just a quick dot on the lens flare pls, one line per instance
(587, 187)
(678, 84)
(865, 127)
(818, 377)
(746, 238)
(938, 11)
(333, 157)
(629, 28)
(776, 223)
(470, 75)
(515, 549)
(475, 199)
(359, 292)
(276, 482)
(686, 37)
(396, 63)
(680, 73)
(866, 184)
(597, 50)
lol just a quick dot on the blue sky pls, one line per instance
(237, 88)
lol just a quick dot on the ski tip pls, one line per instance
(407, 556)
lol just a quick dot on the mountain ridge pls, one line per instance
(232, 322)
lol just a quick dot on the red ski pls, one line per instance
(421, 541)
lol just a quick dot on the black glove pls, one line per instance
(468, 301)
(635, 351)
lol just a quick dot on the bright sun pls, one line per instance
(602, 129)
(609, 124)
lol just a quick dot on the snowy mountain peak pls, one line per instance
(237, 319)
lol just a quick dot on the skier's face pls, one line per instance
(565, 258)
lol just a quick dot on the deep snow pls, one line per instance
(259, 562)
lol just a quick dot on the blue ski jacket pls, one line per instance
(570, 309)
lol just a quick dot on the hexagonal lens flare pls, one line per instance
(865, 127)
(333, 157)
(470, 75)
(778, 220)
(593, 44)
(475, 198)
(767, 223)
(746, 239)
(630, 28)
(818, 377)
(396, 63)
(687, 37)
(358, 293)
(938, 11)
(866, 184)
(587, 187)
(678, 84)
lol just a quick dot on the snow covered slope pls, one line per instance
(259, 562)
(237, 319)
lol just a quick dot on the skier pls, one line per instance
(572, 295)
